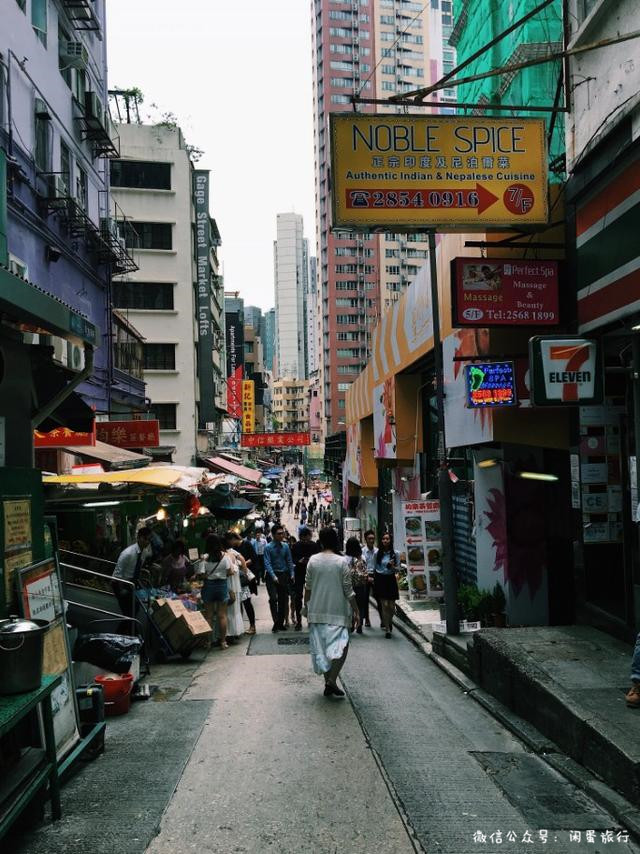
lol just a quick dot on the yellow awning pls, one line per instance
(160, 476)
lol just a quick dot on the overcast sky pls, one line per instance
(238, 77)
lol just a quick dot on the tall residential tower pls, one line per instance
(291, 272)
(375, 48)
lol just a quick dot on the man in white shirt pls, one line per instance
(369, 553)
(128, 566)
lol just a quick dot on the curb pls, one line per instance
(621, 809)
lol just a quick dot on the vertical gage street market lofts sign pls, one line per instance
(206, 411)
(442, 172)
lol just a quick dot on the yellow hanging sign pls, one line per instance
(248, 406)
(437, 172)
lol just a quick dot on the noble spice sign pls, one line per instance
(495, 292)
(565, 371)
(441, 172)
(274, 440)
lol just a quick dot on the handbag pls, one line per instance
(232, 597)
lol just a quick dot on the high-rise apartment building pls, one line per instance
(291, 272)
(269, 339)
(375, 48)
(312, 317)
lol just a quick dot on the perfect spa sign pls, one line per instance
(565, 371)
(442, 172)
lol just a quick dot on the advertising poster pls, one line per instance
(491, 292)
(234, 332)
(423, 548)
(384, 427)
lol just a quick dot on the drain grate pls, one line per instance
(293, 641)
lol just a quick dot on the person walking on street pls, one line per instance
(359, 577)
(235, 622)
(216, 568)
(279, 571)
(369, 553)
(301, 552)
(331, 609)
(633, 694)
(259, 545)
(385, 584)
(128, 568)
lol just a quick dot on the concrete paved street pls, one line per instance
(406, 763)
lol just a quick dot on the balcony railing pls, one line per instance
(82, 15)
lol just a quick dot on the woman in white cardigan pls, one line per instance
(331, 609)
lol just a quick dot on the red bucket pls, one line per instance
(117, 693)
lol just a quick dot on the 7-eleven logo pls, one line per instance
(569, 369)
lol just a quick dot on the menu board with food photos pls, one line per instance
(423, 548)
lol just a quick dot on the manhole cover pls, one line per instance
(292, 641)
(273, 644)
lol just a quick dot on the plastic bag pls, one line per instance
(108, 651)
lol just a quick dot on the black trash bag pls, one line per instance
(108, 651)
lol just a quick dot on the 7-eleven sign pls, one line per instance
(565, 371)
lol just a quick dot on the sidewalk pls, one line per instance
(569, 682)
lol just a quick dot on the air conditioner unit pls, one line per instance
(60, 350)
(93, 108)
(74, 54)
(75, 356)
(57, 187)
(41, 109)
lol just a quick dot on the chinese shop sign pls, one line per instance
(492, 292)
(274, 440)
(61, 437)
(248, 406)
(129, 434)
(442, 172)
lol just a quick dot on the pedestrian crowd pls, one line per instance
(304, 577)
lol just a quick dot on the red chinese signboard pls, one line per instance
(129, 434)
(504, 292)
(234, 393)
(274, 440)
(61, 437)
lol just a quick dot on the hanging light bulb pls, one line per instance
(162, 514)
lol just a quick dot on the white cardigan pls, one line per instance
(329, 580)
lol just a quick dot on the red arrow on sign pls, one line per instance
(420, 199)
(485, 198)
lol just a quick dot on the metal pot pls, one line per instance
(21, 643)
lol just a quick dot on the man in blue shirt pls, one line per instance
(279, 572)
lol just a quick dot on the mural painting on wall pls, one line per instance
(464, 426)
(384, 427)
(509, 504)
(418, 320)
(354, 453)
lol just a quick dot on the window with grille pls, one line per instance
(151, 296)
(141, 174)
(165, 414)
(160, 357)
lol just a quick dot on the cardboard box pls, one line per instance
(188, 630)
(166, 612)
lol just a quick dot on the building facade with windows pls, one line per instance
(269, 338)
(290, 404)
(375, 48)
(63, 230)
(291, 273)
(176, 306)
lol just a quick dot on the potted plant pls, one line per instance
(499, 603)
